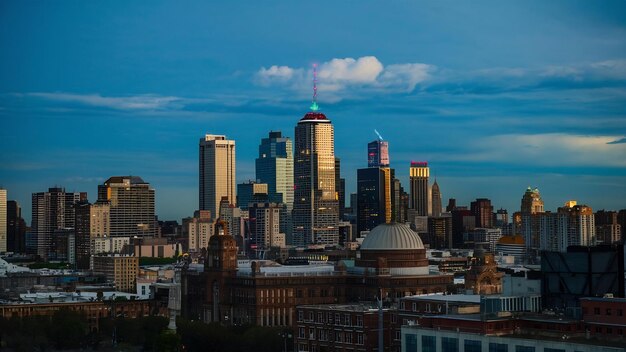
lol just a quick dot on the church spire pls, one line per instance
(314, 106)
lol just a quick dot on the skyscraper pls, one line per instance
(581, 224)
(436, 200)
(378, 153)
(418, 177)
(16, 228)
(370, 198)
(51, 211)
(274, 166)
(483, 211)
(251, 192)
(531, 207)
(131, 206)
(82, 234)
(315, 208)
(217, 172)
(3, 220)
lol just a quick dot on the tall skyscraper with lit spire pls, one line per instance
(315, 206)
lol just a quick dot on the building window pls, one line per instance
(498, 347)
(348, 337)
(310, 316)
(620, 312)
(394, 318)
(410, 341)
(546, 349)
(301, 333)
(414, 307)
(300, 315)
(524, 348)
(359, 339)
(319, 318)
(359, 320)
(346, 320)
(397, 334)
(596, 311)
(449, 344)
(472, 346)
(429, 344)
(608, 311)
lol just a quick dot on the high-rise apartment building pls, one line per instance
(264, 219)
(217, 172)
(435, 194)
(3, 220)
(199, 229)
(378, 153)
(52, 210)
(483, 211)
(418, 178)
(315, 209)
(581, 224)
(608, 229)
(131, 206)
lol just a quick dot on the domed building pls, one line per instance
(393, 249)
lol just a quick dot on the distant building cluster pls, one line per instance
(392, 271)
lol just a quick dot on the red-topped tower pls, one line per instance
(315, 207)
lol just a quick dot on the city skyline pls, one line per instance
(541, 103)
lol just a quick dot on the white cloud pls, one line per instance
(139, 102)
(340, 74)
(266, 76)
(549, 149)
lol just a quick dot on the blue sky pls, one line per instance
(495, 95)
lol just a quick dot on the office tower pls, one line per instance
(82, 234)
(483, 211)
(342, 198)
(131, 206)
(315, 208)
(378, 154)
(251, 192)
(16, 228)
(217, 172)
(274, 166)
(608, 229)
(52, 210)
(264, 220)
(400, 203)
(199, 229)
(418, 177)
(439, 232)
(340, 185)
(371, 202)
(3, 220)
(436, 200)
(581, 224)
(531, 205)
(463, 221)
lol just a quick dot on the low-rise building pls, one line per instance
(121, 270)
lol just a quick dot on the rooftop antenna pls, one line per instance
(379, 136)
(314, 106)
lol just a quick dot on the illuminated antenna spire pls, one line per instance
(379, 136)
(314, 106)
